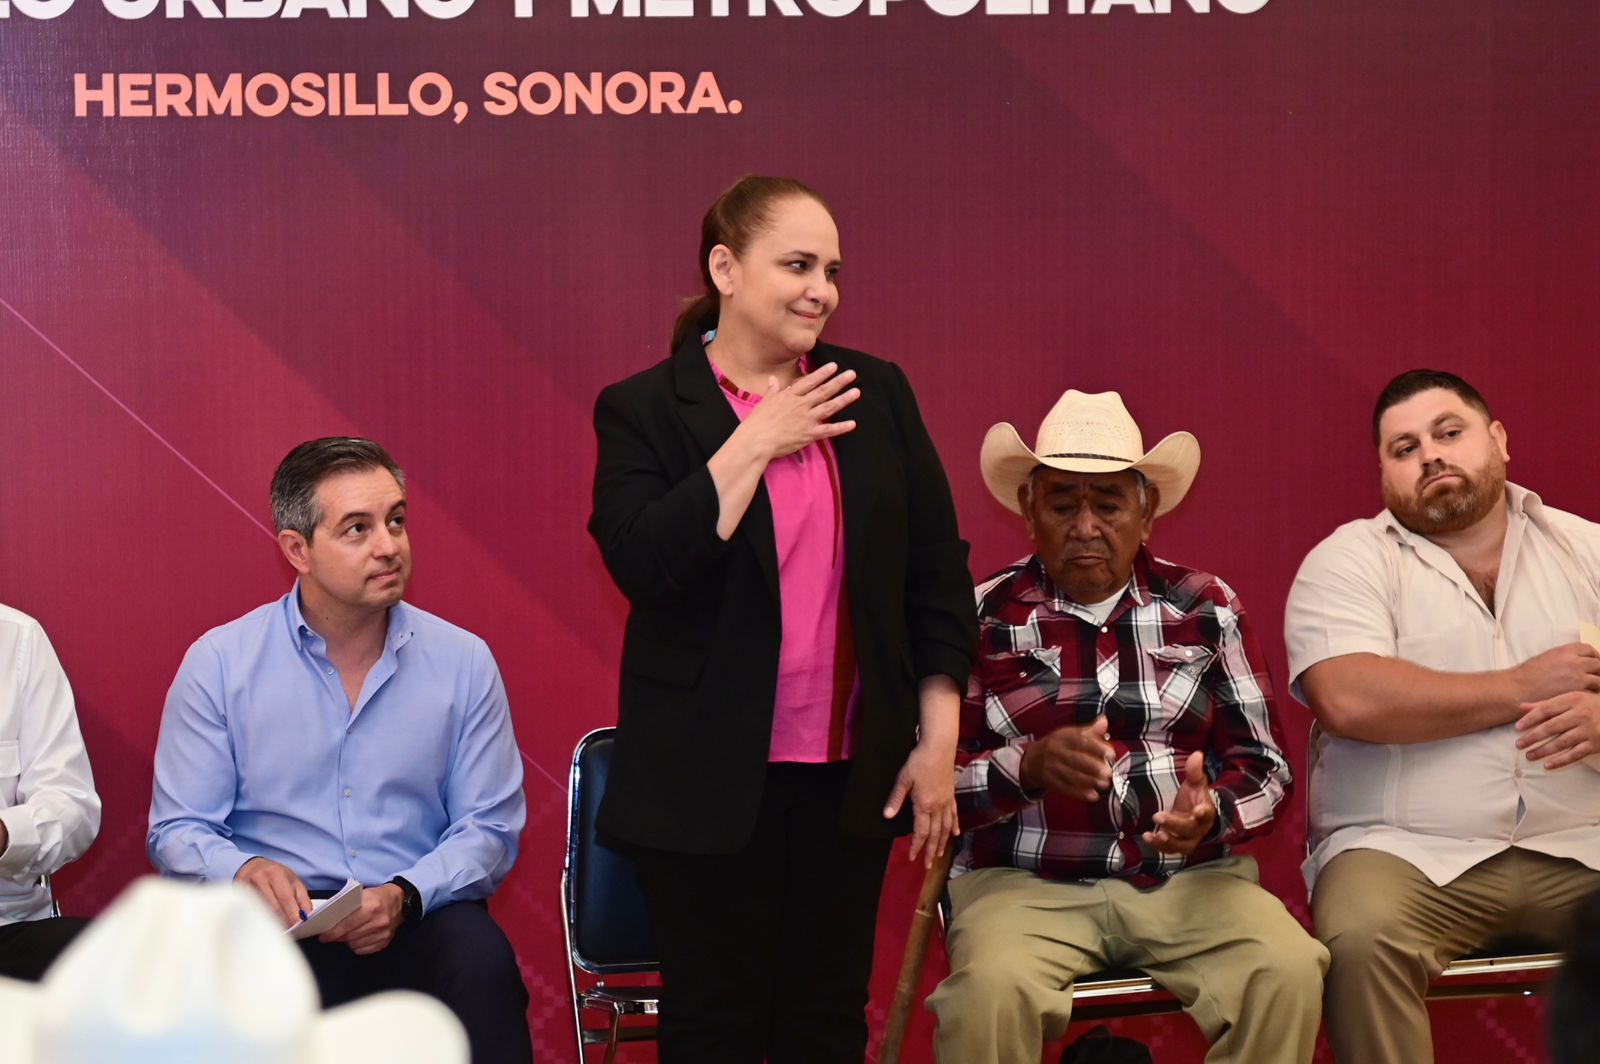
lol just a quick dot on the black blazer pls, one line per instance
(700, 653)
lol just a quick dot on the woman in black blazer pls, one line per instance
(758, 478)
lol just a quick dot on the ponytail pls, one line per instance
(698, 311)
(733, 220)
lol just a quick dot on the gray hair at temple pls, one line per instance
(294, 485)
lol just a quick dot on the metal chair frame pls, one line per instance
(615, 1001)
(55, 906)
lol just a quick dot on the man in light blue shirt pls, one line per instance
(340, 733)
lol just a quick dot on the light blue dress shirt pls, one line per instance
(261, 755)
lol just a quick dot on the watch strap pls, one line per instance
(411, 899)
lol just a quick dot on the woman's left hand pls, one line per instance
(929, 778)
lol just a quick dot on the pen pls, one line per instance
(303, 916)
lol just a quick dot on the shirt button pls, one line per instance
(1120, 835)
(1103, 628)
(352, 853)
(330, 672)
(347, 792)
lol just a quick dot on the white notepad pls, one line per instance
(327, 912)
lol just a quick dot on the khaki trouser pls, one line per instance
(1243, 968)
(1391, 931)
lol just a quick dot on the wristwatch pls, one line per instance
(411, 900)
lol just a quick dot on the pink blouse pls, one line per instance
(818, 687)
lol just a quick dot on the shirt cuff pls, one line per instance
(1222, 801)
(1005, 779)
(427, 886)
(225, 866)
(22, 839)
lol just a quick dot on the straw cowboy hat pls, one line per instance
(175, 973)
(1086, 433)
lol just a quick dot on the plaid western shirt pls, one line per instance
(1171, 669)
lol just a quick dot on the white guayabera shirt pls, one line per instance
(1375, 587)
(47, 799)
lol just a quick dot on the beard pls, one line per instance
(1454, 508)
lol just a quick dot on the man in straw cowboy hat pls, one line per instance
(1117, 737)
(1445, 646)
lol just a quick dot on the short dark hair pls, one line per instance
(294, 485)
(1415, 381)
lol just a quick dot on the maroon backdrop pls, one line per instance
(1246, 223)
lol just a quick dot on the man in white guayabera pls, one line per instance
(1455, 791)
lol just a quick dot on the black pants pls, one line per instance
(766, 953)
(457, 954)
(28, 946)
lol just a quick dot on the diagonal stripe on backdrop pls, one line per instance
(541, 770)
(142, 423)
(126, 409)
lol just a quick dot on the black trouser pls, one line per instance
(766, 953)
(28, 946)
(457, 954)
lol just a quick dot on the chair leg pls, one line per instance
(611, 1042)
(572, 970)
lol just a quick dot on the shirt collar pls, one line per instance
(402, 625)
(1040, 590)
(802, 367)
(1525, 502)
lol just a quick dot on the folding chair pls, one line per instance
(1506, 956)
(604, 917)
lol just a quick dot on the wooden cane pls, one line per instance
(894, 1029)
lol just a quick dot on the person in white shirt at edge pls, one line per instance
(1455, 796)
(49, 812)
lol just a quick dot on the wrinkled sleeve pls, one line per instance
(57, 813)
(1338, 604)
(483, 797)
(655, 535)
(1250, 775)
(988, 768)
(195, 777)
